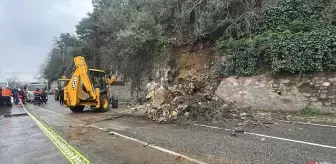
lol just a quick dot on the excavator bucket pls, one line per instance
(117, 80)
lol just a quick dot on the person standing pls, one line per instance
(61, 96)
(15, 95)
(6, 96)
(22, 96)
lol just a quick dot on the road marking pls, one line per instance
(308, 123)
(71, 153)
(266, 136)
(143, 143)
(213, 127)
(152, 146)
(45, 109)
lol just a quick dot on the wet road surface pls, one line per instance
(22, 142)
(282, 143)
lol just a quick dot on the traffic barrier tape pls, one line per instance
(71, 153)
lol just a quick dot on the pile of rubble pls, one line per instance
(191, 98)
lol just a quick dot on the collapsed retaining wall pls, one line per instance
(281, 92)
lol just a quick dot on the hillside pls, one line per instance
(175, 53)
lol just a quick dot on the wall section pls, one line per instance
(281, 92)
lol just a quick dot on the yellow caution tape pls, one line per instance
(71, 153)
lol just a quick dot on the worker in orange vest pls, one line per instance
(6, 96)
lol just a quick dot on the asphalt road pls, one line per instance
(22, 142)
(278, 143)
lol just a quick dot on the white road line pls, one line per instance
(45, 109)
(152, 146)
(308, 123)
(143, 143)
(278, 138)
(213, 127)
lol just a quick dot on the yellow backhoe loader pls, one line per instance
(88, 87)
(61, 83)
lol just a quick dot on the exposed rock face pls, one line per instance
(189, 97)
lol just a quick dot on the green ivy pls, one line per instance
(291, 37)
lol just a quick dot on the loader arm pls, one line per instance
(80, 75)
(111, 80)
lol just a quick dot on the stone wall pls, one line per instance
(281, 92)
(124, 92)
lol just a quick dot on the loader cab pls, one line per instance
(62, 83)
(98, 79)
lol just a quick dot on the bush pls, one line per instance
(308, 111)
(294, 38)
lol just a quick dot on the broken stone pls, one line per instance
(178, 99)
(327, 104)
(326, 84)
(313, 99)
(285, 81)
(238, 130)
(105, 130)
(165, 113)
(215, 98)
(152, 111)
(332, 79)
(317, 104)
(162, 119)
(289, 117)
(319, 81)
(243, 114)
(160, 96)
(150, 95)
(323, 96)
(307, 94)
(225, 106)
(233, 115)
(142, 108)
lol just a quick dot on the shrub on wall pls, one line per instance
(292, 36)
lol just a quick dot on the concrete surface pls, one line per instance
(7, 111)
(22, 142)
(101, 147)
(201, 143)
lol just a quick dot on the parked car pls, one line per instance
(51, 92)
(30, 88)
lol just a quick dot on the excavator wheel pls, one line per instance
(77, 109)
(104, 103)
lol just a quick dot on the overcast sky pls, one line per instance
(27, 28)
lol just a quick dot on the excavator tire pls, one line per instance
(104, 103)
(77, 109)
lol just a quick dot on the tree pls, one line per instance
(130, 35)
(13, 81)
